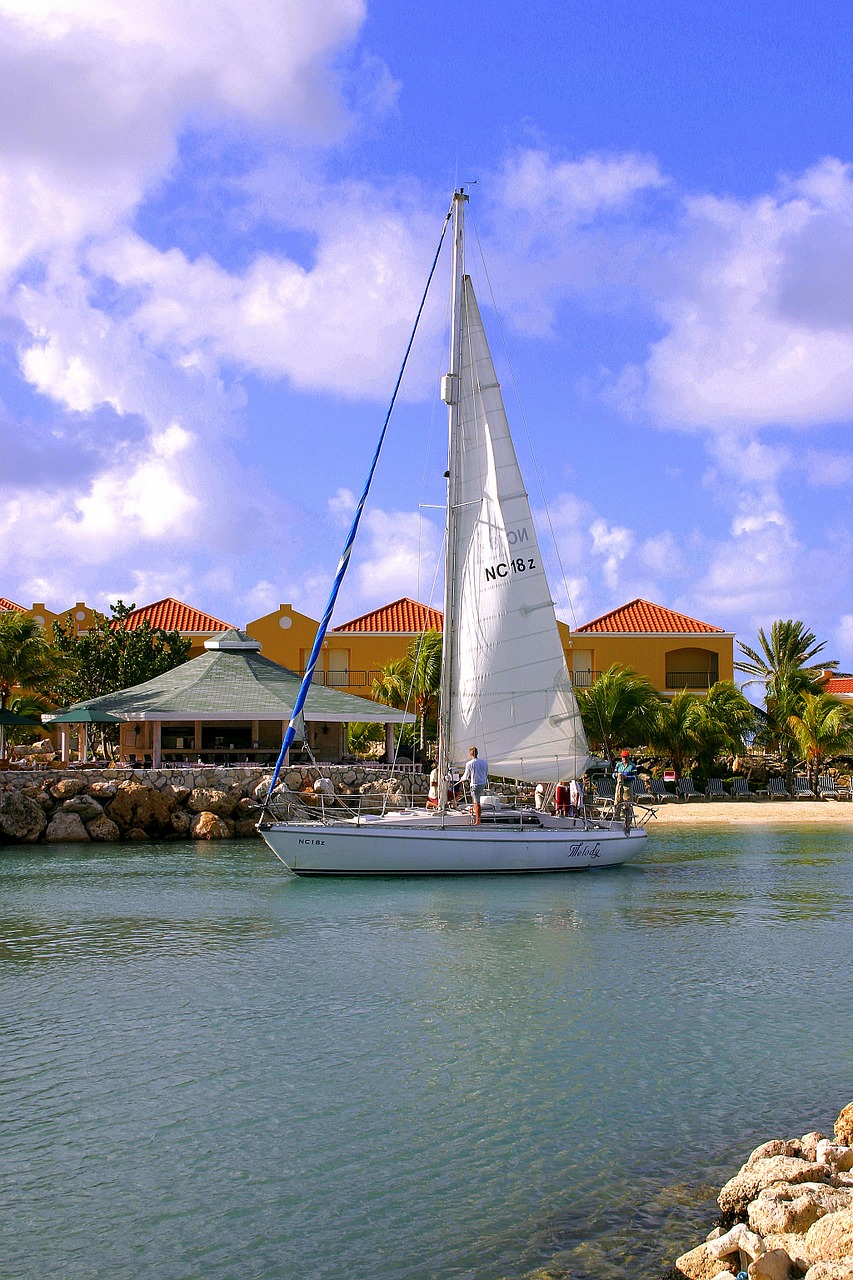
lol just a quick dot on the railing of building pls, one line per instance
(583, 679)
(345, 679)
(691, 679)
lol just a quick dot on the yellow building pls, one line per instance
(672, 650)
(353, 652)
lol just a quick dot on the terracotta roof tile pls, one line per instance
(174, 615)
(405, 615)
(643, 616)
(9, 606)
(839, 684)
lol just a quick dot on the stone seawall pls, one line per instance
(53, 806)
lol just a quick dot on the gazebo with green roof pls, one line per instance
(231, 703)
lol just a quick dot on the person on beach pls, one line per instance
(477, 773)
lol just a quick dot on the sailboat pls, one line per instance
(505, 686)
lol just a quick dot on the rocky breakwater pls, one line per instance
(787, 1213)
(38, 808)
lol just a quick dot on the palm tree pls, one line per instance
(392, 684)
(783, 664)
(822, 726)
(675, 730)
(27, 661)
(785, 657)
(724, 721)
(618, 708)
(424, 661)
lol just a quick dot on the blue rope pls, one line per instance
(343, 564)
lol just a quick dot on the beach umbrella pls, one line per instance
(80, 715)
(12, 718)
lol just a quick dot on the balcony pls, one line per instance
(349, 680)
(584, 679)
(691, 679)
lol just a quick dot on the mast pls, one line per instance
(450, 393)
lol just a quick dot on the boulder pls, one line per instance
(739, 1240)
(831, 1237)
(21, 818)
(86, 806)
(103, 828)
(136, 835)
(103, 790)
(794, 1246)
(139, 806)
(245, 828)
(776, 1147)
(740, 1190)
(209, 826)
(247, 807)
(793, 1208)
(181, 822)
(65, 788)
(809, 1143)
(262, 787)
(773, 1265)
(842, 1269)
(840, 1158)
(181, 794)
(45, 799)
(844, 1126)
(211, 800)
(700, 1264)
(66, 827)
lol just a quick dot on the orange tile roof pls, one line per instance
(839, 684)
(174, 615)
(406, 616)
(643, 616)
(9, 606)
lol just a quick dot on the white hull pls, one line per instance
(413, 843)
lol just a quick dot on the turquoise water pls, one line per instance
(210, 1070)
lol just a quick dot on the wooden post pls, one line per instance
(64, 736)
(389, 743)
(156, 736)
(197, 736)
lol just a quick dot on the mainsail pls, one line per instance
(511, 694)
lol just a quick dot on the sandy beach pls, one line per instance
(752, 812)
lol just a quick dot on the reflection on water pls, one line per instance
(213, 1070)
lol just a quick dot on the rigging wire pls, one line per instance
(343, 564)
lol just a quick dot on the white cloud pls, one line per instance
(844, 640)
(574, 191)
(612, 543)
(746, 342)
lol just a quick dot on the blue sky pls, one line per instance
(215, 224)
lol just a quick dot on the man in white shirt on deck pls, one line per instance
(477, 773)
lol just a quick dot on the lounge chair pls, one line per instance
(827, 787)
(687, 791)
(777, 790)
(658, 789)
(605, 788)
(715, 789)
(641, 791)
(740, 789)
(802, 790)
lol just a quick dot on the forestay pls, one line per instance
(511, 693)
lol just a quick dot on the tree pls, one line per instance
(27, 661)
(618, 709)
(783, 664)
(675, 729)
(785, 659)
(821, 727)
(724, 722)
(110, 657)
(414, 681)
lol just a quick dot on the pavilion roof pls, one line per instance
(237, 684)
(9, 606)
